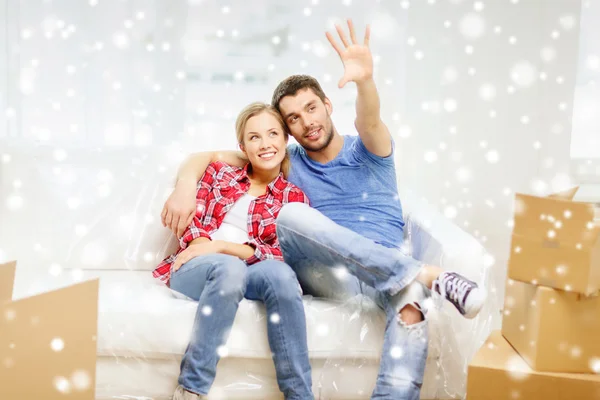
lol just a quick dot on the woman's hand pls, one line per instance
(200, 247)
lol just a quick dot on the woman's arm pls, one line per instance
(242, 251)
(201, 246)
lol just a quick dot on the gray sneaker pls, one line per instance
(182, 394)
(465, 295)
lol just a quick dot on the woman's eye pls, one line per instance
(253, 137)
(274, 133)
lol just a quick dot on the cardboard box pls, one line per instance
(551, 329)
(498, 373)
(48, 342)
(555, 243)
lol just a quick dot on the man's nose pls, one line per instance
(307, 124)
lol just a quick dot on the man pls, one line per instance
(348, 244)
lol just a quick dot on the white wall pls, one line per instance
(499, 128)
(173, 75)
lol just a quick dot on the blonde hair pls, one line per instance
(252, 110)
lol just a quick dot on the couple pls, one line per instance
(239, 237)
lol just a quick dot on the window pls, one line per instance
(585, 137)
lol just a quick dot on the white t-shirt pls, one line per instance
(234, 227)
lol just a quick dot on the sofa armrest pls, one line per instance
(435, 239)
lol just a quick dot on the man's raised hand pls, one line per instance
(356, 57)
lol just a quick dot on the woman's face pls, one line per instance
(264, 142)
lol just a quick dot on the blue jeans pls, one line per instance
(219, 282)
(335, 262)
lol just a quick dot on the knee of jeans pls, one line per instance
(409, 306)
(411, 316)
(280, 277)
(290, 214)
(230, 274)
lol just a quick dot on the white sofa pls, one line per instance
(72, 215)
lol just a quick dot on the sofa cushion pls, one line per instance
(140, 317)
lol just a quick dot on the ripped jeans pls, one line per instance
(334, 262)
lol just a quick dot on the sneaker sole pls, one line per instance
(475, 303)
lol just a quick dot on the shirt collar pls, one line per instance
(274, 187)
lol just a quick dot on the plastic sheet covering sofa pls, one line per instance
(70, 215)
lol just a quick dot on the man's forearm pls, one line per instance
(193, 168)
(195, 165)
(367, 105)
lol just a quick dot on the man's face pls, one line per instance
(308, 119)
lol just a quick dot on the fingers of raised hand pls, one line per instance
(342, 35)
(352, 32)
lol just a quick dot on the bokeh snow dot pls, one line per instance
(322, 330)
(81, 380)
(548, 54)
(595, 365)
(222, 351)
(492, 156)
(472, 26)
(60, 155)
(463, 174)
(57, 344)
(593, 62)
(55, 269)
(10, 314)
(516, 368)
(430, 156)
(523, 74)
(487, 91)
(450, 105)
(404, 131)
(207, 310)
(396, 352)
(449, 75)
(120, 40)
(384, 26)
(450, 212)
(62, 384)
(567, 22)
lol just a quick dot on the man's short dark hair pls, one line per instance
(292, 84)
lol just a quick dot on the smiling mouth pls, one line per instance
(313, 133)
(267, 156)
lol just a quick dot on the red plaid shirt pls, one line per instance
(220, 187)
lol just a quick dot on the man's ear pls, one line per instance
(328, 106)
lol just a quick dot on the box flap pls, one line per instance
(553, 221)
(568, 194)
(7, 279)
(497, 353)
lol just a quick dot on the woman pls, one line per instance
(231, 251)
